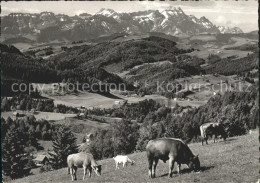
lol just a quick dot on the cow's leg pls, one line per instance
(179, 168)
(85, 172)
(155, 162)
(116, 165)
(72, 173)
(150, 162)
(171, 166)
(75, 173)
(89, 172)
(68, 170)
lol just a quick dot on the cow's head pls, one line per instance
(97, 169)
(133, 162)
(195, 163)
(224, 136)
(222, 132)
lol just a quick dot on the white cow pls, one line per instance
(122, 159)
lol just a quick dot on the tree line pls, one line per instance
(29, 103)
(237, 111)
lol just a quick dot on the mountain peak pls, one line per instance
(106, 12)
(180, 10)
(203, 18)
(232, 30)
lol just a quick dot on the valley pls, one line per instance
(107, 83)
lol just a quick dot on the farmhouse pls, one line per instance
(81, 115)
(118, 103)
(41, 160)
(16, 114)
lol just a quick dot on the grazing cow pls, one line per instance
(212, 129)
(174, 150)
(122, 159)
(84, 160)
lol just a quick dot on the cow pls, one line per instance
(82, 160)
(174, 150)
(122, 159)
(212, 129)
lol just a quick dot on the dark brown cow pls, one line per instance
(212, 129)
(174, 150)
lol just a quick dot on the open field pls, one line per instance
(124, 74)
(89, 100)
(206, 85)
(205, 38)
(209, 44)
(239, 42)
(235, 160)
(204, 53)
(49, 116)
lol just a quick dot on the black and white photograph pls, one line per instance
(130, 91)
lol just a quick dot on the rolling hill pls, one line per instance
(17, 66)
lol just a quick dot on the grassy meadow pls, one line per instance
(235, 160)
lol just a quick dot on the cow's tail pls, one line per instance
(202, 132)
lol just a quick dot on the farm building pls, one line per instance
(81, 115)
(81, 108)
(119, 103)
(41, 160)
(16, 114)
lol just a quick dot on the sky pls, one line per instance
(243, 14)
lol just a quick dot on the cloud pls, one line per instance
(167, 4)
(6, 10)
(78, 12)
(220, 19)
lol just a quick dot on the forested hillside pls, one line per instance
(165, 72)
(237, 111)
(234, 66)
(18, 67)
(118, 56)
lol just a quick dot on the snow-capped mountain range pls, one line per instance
(47, 25)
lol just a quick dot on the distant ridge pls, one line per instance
(49, 26)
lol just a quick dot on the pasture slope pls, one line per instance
(235, 160)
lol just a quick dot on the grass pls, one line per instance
(204, 37)
(49, 116)
(235, 160)
(90, 100)
(216, 46)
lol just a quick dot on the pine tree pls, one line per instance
(124, 136)
(5, 104)
(14, 159)
(64, 144)
(40, 106)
